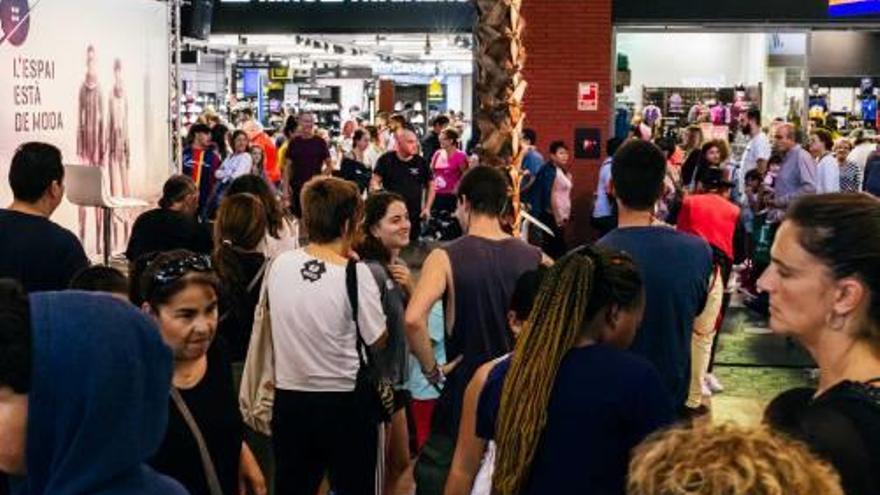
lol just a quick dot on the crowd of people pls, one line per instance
(267, 335)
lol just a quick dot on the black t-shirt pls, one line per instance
(237, 305)
(38, 252)
(842, 426)
(214, 406)
(430, 145)
(165, 230)
(355, 171)
(408, 178)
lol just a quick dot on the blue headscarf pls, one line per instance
(98, 403)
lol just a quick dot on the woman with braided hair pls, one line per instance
(570, 404)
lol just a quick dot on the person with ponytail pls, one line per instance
(238, 234)
(566, 409)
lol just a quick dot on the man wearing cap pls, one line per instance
(712, 216)
(199, 163)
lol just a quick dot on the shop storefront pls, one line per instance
(702, 63)
(346, 60)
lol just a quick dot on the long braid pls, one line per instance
(561, 308)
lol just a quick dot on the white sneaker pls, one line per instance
(706, 390)
(713, 384)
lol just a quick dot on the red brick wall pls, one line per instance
(567, 42)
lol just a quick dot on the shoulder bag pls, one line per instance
(373, 391)
(207, 464)
(256, 396)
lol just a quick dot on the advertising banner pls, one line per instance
(853, 7)
(90, 77)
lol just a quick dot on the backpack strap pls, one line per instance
(351, 286)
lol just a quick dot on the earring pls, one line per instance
(836, 321)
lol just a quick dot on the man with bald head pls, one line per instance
(797, 174)
(407, 173)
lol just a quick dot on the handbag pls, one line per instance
(373, 391)
(256, 396)
(207, 463)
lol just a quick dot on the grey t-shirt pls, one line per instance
(392, 359)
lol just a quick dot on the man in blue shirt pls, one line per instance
(604, 215)
(676, 267)
(532, 161)
(797, 174)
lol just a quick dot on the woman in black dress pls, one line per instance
(824, 288)
(179, 289)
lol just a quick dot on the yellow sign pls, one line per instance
(435, 90)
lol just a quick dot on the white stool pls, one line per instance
(85, 186)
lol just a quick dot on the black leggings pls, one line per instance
(318, 433)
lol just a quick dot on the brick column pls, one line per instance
(568, 42)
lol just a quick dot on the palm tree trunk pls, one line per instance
(500, 56)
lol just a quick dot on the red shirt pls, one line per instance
(711, 217)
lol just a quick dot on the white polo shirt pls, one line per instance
(313, 333)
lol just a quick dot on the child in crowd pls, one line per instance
(424, 395)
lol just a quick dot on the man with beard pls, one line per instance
(758, 150)
(118, 150)
(90, 134)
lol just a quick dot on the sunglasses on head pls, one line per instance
(177, 269)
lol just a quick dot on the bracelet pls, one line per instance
(435, 376)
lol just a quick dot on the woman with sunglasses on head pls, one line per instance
(824, 288)
(566, 409)
(179, 289)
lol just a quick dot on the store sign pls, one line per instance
(588, 97)
(315, 93)
(280, 73)
(451, 68)
(853, 7)
(435, 90)
(342, 16)
(97, 90)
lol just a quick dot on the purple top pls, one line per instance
(307, 157)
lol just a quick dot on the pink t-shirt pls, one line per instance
(561, 199)
(448, 170)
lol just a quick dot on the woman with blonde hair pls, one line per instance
(727, 460)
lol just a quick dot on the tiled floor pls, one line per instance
(754, 366)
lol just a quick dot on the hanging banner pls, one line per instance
(90, 77)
